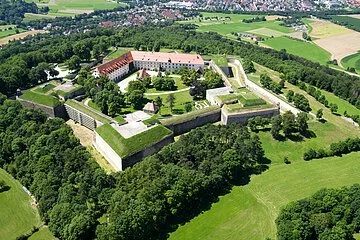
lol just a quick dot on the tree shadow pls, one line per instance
(322, 120)
(178, 111)
(309, 134)
(5, 189)
(336, 114)
(295, 138)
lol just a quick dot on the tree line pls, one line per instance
(336, 149)
(12, 12)
(328, 214)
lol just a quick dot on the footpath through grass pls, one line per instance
(17, 215)
(249, 212)
(300, 48)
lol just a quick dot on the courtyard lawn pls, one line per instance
(178, 83)
(249, 212)
(352, 61)
(17, 215)
(125, 147)
(180, 99)
(300, 48)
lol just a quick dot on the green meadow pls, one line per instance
(225, 26)
(249, 212)
(352, 61)
(18, 217)
(300, 48)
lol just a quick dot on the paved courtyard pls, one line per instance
(134, 124)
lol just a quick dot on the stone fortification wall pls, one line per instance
(216, 68)
(120, 164)
(82, 118)
(58, 111)
(132, 159)
(107, 152)
(197, 121)
(227, 117)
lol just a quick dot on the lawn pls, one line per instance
(40, 98)
(300, 48)
(118, 53)
(188, 116)
(249, 212)
(125, 147)
(234, 24)
(352, 61)
(219, 60)
(178, 83)
(180, 99)
(43, 234)
(17, 215)
(44, 89)
(9, 32)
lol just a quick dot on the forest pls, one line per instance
(12, 12)
(79, 201)
(328, 214)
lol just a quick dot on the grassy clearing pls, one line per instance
(43, 234)
(39, 98)
(267, 32)
(303, 49)
(44, 89)
(17, 215)
(234, 24)
(125, 147)
(342, 104)
(118, 53)
(249, 212)
(352, 61)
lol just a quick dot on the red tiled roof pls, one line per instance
(115, 64)
(167, 57)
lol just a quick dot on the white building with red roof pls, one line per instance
(135, 60)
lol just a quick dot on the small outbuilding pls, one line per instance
(151, 107)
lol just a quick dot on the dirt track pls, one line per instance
(6, 40)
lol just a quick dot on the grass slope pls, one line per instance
(300, 48)
(43, 234)
(352, 61)
(125, 147)
(249, 212)
(17, 215)
(43, 99)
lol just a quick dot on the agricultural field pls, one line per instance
(228, 23)
(23, 34)
(17, 215)
(331, 37)
(73, 7)
(300, 48)
(8, 30)
(352, 61)
(249, 212)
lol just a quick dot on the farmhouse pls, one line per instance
(135, 60)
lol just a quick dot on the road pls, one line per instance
(284, 106)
